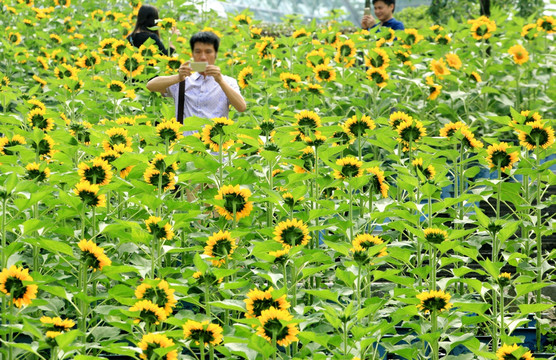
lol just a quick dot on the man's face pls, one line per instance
(383, 12)
(204, 52)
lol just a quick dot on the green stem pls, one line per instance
(502, 325)
(359, 286)
(350, 190)
(154, 252)
(538, 236)
(433, 256)
(294, 284)
(207, 300)
(202, 348)
(346, 337)
(220, 160)
(434, 329)
(83, 303)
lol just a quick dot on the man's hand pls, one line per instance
(214, 71)
(368, 21)
(184, 71)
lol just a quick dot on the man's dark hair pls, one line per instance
(387, 2)
(205, 37)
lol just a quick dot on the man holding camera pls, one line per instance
(384, 11)
(208, 93)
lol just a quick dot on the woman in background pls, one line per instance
(146, 18)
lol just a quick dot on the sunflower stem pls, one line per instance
(271, 187)
(294, 284)
(154, 247)
(202, 348)
(3, 265)
(274, 345)
(359, 287)
(433, 261)
(207, 300)
(538, 236)
(220, 160)
(518, 90)
(83, 303)
(350, 190)
(502, 324)
(434, 329)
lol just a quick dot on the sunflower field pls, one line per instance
(385, 195)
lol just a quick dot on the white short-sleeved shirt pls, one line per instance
(203, 96)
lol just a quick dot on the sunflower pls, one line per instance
(73, 84)
(38, 120)
(148, 53)
(324, 72)
(57, 324)
(529, 31)
(434, 90)
(499, 157)
(378, 181)
(410, 131)
(314, 89)
(161, 295)
(160, 232)
(263, 47)
(257, 301)
(291, 232)
(435, 300)
(64, 71)
(520, 55)
(117, 139)
(255, 32)
(435, 236)
(378, 59)
(42, 82)
(99, 173)
(106, 46)
(349, 167)
(131, 65)
(149, 312)
(469, 139)
(316, 57)
(169, 131)
(220, 246)
(482, 28)
(411, 38)
(6, 143)
(505, 352)
(475, 77)
(290, 201)
(272, 328)
(439, 68)
(529, 117)
(235, 198)
(378, 76)
(92, 255)
(207, 278)
(308, 157)
(443, 39)
(245, 75)
(362, 243)
(547, 24)
(45, 146)
(403, 56)
(34, 172)
(116, 86)
(4, 82)
(453, 61)
(87, 192)
(166, 23)
(202, 332)
(291, 81)
(300, 33)
(396, 118)
(80, 130)
(36, 104)
(150, 342)
(89, 60)
(540, 135)
(315, 141)
(243, 19)
(307, 120)
(14, 282)
(504, 279)
(280, 256)
(215, 131)
(429, 172)
(345, 53)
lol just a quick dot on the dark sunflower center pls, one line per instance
(291, 83)
(131, 64)
(292, 236)
(95, 174)
(361, 256)
(150, 354)
(168, 133)
(90, 61)
(482, 30)
(537, 137)
(267, 127)
(501, 158)
(345, 50)
(116, 87)
(89, 259)
(202, 336)
(222, 248)
(307, 122)
(377, 78)
(341, 137)
(260, 305)
(358, 128)
(377, 62)
(411, 133)
(148, 316)
(308, 161)
(43, 148)
(374, 183)
(162, 177)
(15, 287)
(274, 326)
(272, 147)
(350, 170)
(410, 39)
(434, 303)
(324, 74)
(434, 238)
(232, 200)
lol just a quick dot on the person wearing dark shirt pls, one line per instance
(384, 11)
(146, 18)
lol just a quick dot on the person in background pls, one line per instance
(384, 11)
(146, 18)
(208, 94)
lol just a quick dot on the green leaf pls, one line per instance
(67, 338)
(237, 305)
(522, 289)
(200, 264)
(323, 295)
(533, 308)
(310, 336)
(508, 230)
(481, 217)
